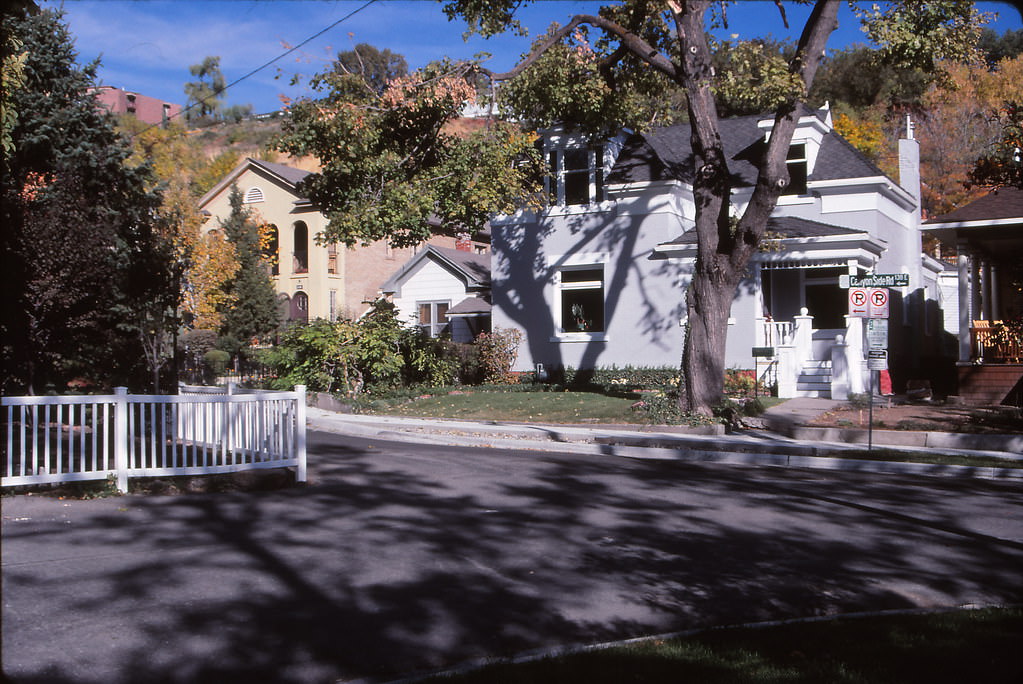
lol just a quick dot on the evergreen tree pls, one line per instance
(253, 311)
(82, 248)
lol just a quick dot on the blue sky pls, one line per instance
(147, 45)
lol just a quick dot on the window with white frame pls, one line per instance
(433, 317)
(580, 295)
(798, 165)
(577, 175)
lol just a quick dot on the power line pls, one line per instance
(264, 66)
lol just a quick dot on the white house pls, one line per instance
(598, 278)
(444, 291)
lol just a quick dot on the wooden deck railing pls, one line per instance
(993, 342)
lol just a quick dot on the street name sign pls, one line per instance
(874, 280)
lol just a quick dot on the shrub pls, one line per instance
(217, 360)
(498, 352)
(741, 383)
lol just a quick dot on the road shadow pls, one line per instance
(398, 559)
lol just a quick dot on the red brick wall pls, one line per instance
(991, 384)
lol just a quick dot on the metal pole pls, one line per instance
(870, 414)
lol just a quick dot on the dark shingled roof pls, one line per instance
(786, 227)
(471, 306)
(288, 173)
(1003, 203)
(666, 154)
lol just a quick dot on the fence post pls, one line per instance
(121, 438)
(300, 474)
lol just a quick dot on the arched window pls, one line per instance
(300, 307)
(301, 261)
(270, 250)
(252, 195)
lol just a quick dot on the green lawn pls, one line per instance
(545, 407)
(957, 647)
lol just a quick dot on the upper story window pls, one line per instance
(798, 165)
(577, 175)
(300, 263)
(253, 194)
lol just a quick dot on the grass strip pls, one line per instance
(960, 646)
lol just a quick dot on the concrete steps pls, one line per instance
(815, 380)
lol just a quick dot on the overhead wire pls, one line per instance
(261, 67)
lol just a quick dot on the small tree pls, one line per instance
(252, 309)
(206, 93)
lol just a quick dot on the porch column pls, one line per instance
(976, 311)
(996, 309)
(965, 297)
(803, 336)
(985, 289)
(854, 353)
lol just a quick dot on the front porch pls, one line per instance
(988, 239)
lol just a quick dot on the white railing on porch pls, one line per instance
(71, 438)
(775, 333)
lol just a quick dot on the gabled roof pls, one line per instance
(287, 176)
(471, 267)
(1000, 204)
(666, 154)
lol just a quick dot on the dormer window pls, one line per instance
(798, 165)
(253, 194)
(577, 175)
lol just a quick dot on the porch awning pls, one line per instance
(793, 242)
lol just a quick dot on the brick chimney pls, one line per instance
(463, 242)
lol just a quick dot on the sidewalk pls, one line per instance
(781, 441)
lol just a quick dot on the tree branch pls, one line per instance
(629, 40)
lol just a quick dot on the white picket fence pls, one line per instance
(198, 432)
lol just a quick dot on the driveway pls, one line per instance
(400, 557)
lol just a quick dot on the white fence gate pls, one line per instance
(71, 438)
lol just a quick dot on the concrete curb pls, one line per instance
(741, 449)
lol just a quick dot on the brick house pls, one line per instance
(147, 109)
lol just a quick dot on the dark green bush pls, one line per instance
(217, 360)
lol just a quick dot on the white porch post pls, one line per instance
(803, 336)
(854, 354)
(965, 285)
(839, 370)
(788, 371)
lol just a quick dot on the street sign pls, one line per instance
(877, 359)
(763, 352)
(859, 302)
(879, 280)
(878, 297)
(877, 333)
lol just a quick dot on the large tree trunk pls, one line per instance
(725, 245)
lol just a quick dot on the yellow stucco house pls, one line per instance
(312, 281)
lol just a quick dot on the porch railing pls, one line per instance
(74, 438)
(990, 342)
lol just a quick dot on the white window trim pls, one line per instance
(559, 205)
(581, 261)
(433, 327)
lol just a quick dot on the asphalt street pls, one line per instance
(399, 557)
